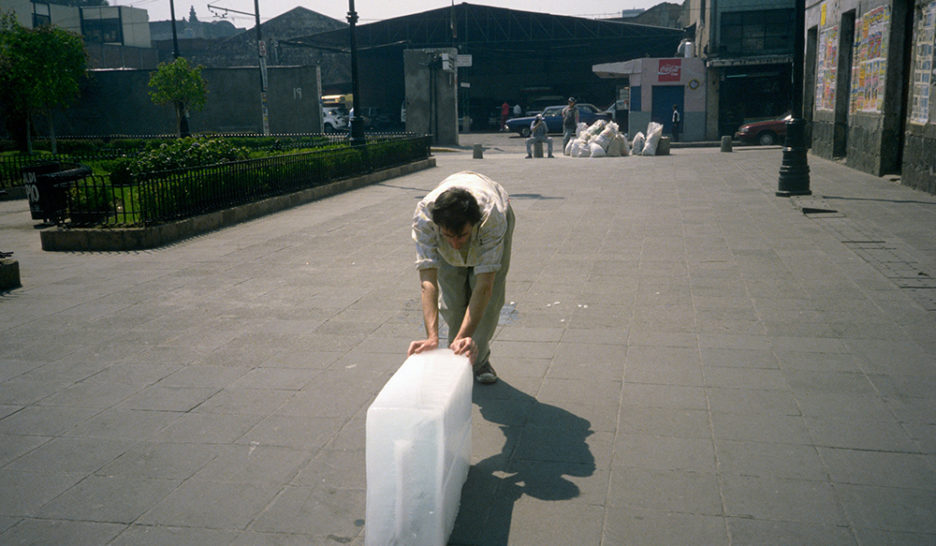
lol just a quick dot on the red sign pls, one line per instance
(670, 70)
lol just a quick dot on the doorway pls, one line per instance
(843, 84)
(664, 97)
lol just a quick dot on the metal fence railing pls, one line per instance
(153, 198)
(96, 149)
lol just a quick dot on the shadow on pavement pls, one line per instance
(542, 445)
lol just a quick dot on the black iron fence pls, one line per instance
(95, 150)
(153, 198)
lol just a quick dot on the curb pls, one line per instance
(141, 238)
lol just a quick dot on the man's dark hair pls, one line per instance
(454, 208)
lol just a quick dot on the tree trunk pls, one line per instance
(52, 134)
(29, 148)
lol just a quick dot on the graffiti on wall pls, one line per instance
(869, 69)
(826, 61)
(923, 64)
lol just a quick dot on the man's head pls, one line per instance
(456, 212)
(571, 100)
(539, 117)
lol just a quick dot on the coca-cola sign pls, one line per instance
(670, 70)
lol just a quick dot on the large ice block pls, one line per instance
(418, 450)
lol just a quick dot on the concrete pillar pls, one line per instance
(432, 93)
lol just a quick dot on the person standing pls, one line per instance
(463, 231)
(570, 120)
(505, 113)
(676, 120)
(538, 132)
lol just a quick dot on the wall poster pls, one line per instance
(826, 62)
(869, 67)
(923, 64)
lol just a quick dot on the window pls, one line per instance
(40, 16)
(763, 32)
(102, 30)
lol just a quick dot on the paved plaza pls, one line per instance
(685, 358)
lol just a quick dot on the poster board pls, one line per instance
(869, 68)
(923, 64)
(826, 63)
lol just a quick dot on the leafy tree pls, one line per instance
(179, 84)
(40, 70)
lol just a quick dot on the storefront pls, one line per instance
(656, 85)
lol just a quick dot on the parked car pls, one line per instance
(334, 118)
(765, 133)
(375, 118)
(588, 113)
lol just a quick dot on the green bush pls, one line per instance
(89, 202)
(177, 154)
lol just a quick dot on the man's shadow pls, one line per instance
(542, 445)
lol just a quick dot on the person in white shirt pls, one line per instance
(463, 231)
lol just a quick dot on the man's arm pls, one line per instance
(429, 296)
(480, 296)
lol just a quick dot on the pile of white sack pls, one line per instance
(603, 139)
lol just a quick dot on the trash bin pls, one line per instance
(46, 185)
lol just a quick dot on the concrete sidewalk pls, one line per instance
(685, 359)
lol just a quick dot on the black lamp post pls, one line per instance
(794, 171)
(357, 123)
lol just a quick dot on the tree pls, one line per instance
(40, 70)
(179, 84)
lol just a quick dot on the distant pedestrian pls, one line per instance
(517, 111)
(676, 120)
(505, 113)
(570, 121)
(538, 133)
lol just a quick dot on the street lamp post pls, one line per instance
(794, 170)
(357, 123)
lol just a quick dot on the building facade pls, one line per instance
(747, 48)
(869, 78)
(655, 85)
(114, 36)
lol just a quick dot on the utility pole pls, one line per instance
(261, 54)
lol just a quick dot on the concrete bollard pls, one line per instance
(538, 148)
(9, 274)
(726, 143)
(478, 151)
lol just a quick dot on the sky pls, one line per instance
(374, 10)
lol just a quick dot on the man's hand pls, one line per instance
(421, 345)
(465, 346)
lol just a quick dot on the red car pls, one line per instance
(765, 133)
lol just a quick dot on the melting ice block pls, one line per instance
(418, 450)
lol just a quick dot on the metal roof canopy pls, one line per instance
(471, 26)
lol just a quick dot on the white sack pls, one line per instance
(614, 147)
(580, 148)
(596, 149)
(639, 141)
(654, 132)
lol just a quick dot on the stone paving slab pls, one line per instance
(684, 358)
